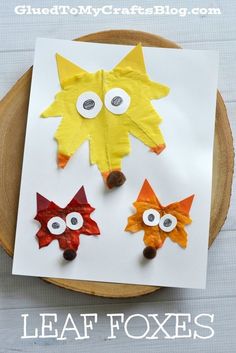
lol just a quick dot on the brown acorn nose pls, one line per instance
(115, 179)
(69, 254)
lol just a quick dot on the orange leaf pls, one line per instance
(179, 236)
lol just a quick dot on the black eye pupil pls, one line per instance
(74, 221)
(55, 225)
(167, 222)
(116, 101)
(151, 217)
(89, 104)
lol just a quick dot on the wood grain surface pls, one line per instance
(13, 114)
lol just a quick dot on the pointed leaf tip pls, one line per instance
(147, 194)
(80, 196)
(186, 204)
(66, 68)
(133, 59)
(42, 202)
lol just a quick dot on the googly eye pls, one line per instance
(89, 105)
(117, 101)
(74, 220)
(151, 217)
(56, 225)
(167, 223)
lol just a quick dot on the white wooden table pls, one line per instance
(19, 295)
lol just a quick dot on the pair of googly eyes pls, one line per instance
(152, 218)
(116, 100)
(57, 225)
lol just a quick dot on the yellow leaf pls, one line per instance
(107, 132)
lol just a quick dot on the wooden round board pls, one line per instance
(13, 114)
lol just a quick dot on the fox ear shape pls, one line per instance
(186, 204)
(42, 202)
(67, 69)
(134, 59)
(147, 194)
(80, 197)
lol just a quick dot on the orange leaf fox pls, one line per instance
(159, 222)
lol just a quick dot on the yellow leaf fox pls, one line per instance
(105, 107)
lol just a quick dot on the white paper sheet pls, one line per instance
(182, 169)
